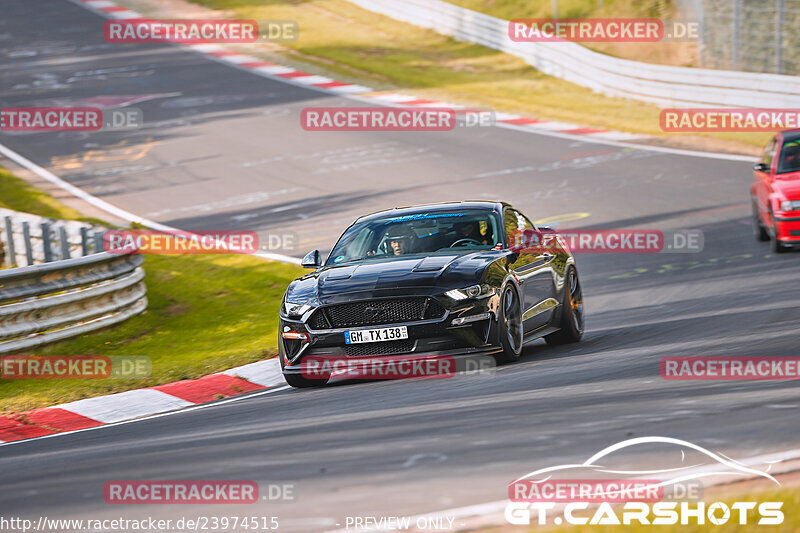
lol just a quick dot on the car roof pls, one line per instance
(791, 135)
(438, 207)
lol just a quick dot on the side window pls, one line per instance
(769, 152)
(516, 228)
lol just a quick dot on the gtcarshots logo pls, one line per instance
(604, 490)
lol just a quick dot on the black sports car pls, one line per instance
(459, 278)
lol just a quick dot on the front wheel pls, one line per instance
(297, 381)
(571, 323)
(760, 231)
(509, 326)
(776, 245)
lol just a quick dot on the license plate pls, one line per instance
(375, 335)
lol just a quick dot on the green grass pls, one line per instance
(349, 43)
(206, 313)
(18, 195)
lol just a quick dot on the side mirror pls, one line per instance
(311, 260)
(761, 167)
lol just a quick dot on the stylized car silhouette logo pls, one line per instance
(374, 312)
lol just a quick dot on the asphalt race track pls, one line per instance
(223, 149)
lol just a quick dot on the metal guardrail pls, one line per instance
(26, 239)
(54, 301)
(666, 85)
(62, 296)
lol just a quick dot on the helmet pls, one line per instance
(399, 232)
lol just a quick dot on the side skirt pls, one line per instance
(539, 333)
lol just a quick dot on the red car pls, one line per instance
(775, 192)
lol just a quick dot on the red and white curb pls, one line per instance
(359, 92)
(113, 408)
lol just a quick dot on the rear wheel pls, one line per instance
(571, 323)
(509, 326)
(759, 230)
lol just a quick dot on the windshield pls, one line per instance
(420, 233)
(790, 157)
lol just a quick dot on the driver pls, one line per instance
(399, 240)
(469, 230)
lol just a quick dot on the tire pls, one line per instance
(509, 326)
(299, 382)
(571, 323)
(295, 380)
(777, 247)
(761, 233)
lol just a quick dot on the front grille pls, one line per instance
(379, 348)
(376, 312)
(795, 233)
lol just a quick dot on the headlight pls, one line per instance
(473, 291)
(295, 310)
(790, 206)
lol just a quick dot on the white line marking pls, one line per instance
(97, 4)
(240, 59)
(125, 405)
(262, 71)
(105, 206)
(186, 410)
(126, 15)
(313, 80)
(277, 69)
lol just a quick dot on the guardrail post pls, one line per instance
(48, 252)
(779, 14)
(84, 241)
(737, 26)
(26, 235)
(11, 253)
(62, 236)
(98, 241)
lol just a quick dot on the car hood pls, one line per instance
(414, 275)
(788, 185)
